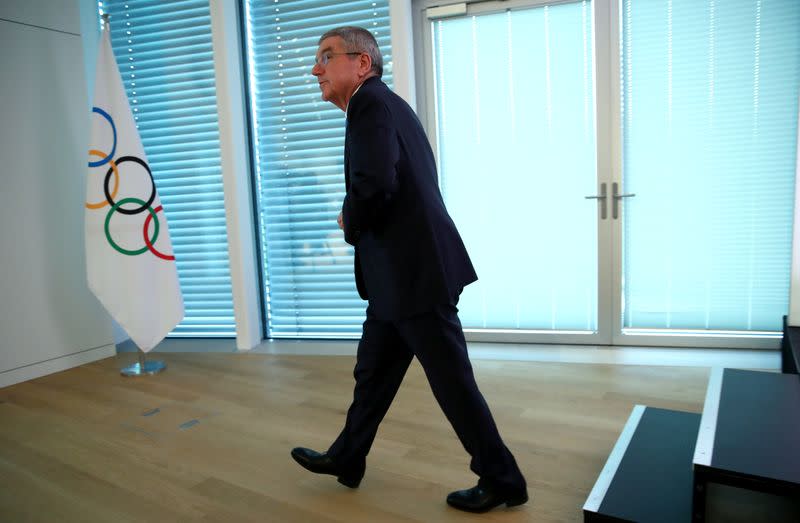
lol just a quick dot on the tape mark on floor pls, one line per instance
(189, 424)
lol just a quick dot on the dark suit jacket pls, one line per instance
(409, 256)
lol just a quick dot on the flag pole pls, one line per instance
(142, 367)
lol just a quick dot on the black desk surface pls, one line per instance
(758, 425)
(653, 482)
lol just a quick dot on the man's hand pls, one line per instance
(340, 221)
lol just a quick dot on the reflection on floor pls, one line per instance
(660, 356)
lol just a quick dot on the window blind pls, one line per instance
(709, 119)
(163, 49)
(309, 288)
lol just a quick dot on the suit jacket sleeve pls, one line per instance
(373, 154)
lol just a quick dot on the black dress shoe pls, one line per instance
(480, 499)
(322, 464)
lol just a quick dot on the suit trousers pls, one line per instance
(384, 354)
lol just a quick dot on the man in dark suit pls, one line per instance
(411, 266)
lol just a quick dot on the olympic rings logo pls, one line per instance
(116, 206)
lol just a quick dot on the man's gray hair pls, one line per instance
(358, 40)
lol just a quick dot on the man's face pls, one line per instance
(340, 76)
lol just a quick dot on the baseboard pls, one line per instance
(43, 368)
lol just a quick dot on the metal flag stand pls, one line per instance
(143, 367)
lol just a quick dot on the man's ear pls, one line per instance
(364, 64)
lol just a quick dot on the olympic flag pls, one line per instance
(129, 260)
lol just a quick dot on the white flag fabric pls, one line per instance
(129, 259)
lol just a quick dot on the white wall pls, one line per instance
(49, 320)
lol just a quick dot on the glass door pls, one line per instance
(622, 171)
(514, 123)
(708, 119)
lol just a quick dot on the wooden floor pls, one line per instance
(209, 439)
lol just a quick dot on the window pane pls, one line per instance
(709, 128)
(516, 145)
(164, 53)
(299, 140)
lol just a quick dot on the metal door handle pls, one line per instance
(602, 198)
(617, 197)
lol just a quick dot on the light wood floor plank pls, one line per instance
(209, 439)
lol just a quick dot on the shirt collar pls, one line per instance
(347, 107)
